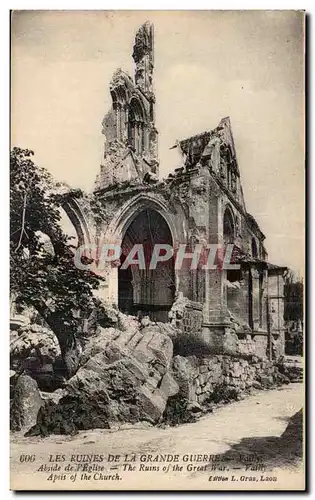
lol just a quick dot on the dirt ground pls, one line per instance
(238, 446)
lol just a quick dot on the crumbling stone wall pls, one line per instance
(124, 376)
(128, 373)
(245, 344)
(214, 378)
(237, 298)
(35, 351)
(186, 316)
(278, 345)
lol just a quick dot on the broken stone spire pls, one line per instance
(130, 151)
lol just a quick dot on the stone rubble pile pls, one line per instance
(125, 376)
(25, 403)
(128, 373)
(35, 351)
(206, 381)
(292, 368)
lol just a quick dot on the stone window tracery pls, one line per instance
(254, 248)
(136, 126)
(228, 227)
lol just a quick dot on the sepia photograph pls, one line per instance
(157, 247)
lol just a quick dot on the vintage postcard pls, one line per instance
(157, 250)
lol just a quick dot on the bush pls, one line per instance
(177, 411)
(69, 416)
(222, 393)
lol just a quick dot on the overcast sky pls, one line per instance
(208, 64)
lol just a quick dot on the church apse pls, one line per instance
(200, 203)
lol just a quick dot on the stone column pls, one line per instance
(264, 300)
(255, 299)
(108, 289)
(145, 138)
(276, 311)
(117, 114)
(137, 136)
(123, 124)
(215, 309)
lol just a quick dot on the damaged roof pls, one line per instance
(240, 257)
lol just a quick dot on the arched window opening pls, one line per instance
(228, 227)
(131, 127)
(136, 126)
(233, 183)
(254, 248)
(117, 114)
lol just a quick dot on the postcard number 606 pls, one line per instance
(27, 458)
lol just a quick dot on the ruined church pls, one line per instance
(200, 203)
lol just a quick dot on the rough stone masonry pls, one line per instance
(200, 203)
(194, 334)
(129, 372)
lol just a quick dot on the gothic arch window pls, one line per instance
(116, 108)
(121, 112)
(233, 182)
(254, 248)
(228, 227)
(136, 126)
(146, 290)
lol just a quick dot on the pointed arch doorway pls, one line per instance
(146, 291)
